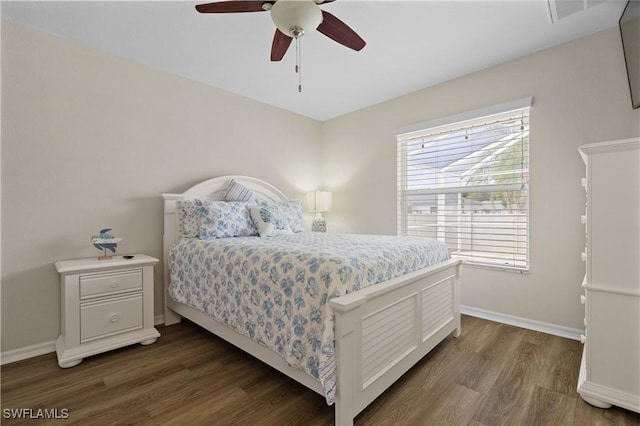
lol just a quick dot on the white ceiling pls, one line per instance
(410, 44)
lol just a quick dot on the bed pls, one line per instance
(362, 339)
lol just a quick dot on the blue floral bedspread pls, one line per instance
(275, 290)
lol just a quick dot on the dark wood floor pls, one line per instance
(493, 374)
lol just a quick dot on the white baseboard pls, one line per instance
(27, 352)
(158, 319)
(15, 355)
(543, 327)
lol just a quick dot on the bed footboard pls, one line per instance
(383, 330)
(380, 331)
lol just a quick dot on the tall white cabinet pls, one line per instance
(610, 369)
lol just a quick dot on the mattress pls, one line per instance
(275, 290)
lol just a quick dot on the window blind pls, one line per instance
(466, 183)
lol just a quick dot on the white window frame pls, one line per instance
(456, 121)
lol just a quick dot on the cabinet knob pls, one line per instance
(114, 284)
(114, 318)
(583, 338)
(583, 219)
(583, 299)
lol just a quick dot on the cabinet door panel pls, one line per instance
(613, 341)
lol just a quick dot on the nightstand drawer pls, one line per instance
(96, 285)
(102, 319)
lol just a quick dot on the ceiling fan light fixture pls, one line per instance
(295, 17)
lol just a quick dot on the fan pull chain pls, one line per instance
(299, 63)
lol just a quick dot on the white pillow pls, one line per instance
(263, 220)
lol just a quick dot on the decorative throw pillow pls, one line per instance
(222, 219)
(287, 215)
(263, 220)
(189, 218)
(239, 192)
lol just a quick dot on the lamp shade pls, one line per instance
(319, 201)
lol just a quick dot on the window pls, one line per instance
(465, 181)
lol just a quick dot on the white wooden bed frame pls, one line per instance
(380, 331)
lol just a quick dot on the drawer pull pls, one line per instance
(583, 338)
(114, 318)
(114, 284)
(583, 182)
(583, 299)
(583, 219)
(583, 256)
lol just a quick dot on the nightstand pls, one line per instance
(105, 304)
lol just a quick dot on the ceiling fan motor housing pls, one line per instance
(294, 17)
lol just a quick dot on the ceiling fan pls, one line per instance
(293, 18)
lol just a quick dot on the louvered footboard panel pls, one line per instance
(437, 307)
(383, 330)
(387, 336)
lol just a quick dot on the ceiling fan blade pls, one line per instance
(233, 6)
(337, 30)
(280, 45)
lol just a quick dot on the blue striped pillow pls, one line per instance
(238, 192)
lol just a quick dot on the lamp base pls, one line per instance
(319, 224)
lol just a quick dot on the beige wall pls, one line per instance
(580, 95)
(90, 140)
